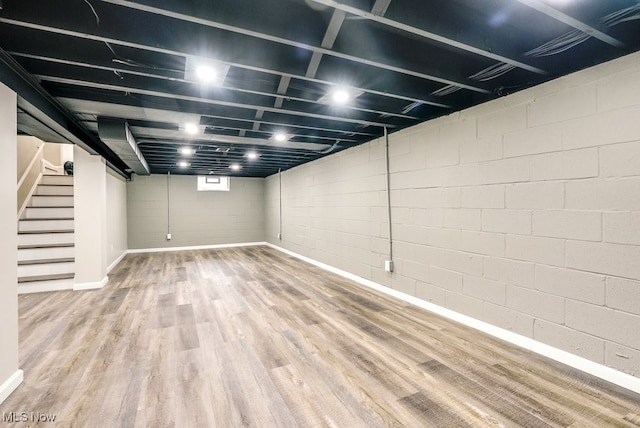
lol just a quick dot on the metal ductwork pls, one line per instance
(116, 134)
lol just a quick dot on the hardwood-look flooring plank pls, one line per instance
(253, 337)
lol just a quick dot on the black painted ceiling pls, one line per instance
(403, 61)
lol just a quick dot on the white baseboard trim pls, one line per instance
(91, 285)
(10, 385)
(598, 370)
(116, 261)
(196, 247)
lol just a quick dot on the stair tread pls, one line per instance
(46, 219)
(56, 206)
(34, 246)
(55, 184)
(45, 261)
(45, 232)
(46, 277)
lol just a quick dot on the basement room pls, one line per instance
(320, 213)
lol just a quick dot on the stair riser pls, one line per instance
(50, 285)
(65, 180)
(46, 238)
(51, 201)
(46, 269)
(44, 286)
(45, 253)
(25, 226)
(48, 212)
(54, 190)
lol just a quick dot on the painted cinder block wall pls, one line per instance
(523, 212)
(197, 218)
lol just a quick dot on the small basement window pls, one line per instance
(211, 183)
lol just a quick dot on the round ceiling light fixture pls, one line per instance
(191, 128)
(280, 136)
(340, 96)
(206, 73)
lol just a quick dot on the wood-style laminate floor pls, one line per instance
(253, 337)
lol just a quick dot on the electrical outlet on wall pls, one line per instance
(388, 265)
(168, 237)
(280, 236)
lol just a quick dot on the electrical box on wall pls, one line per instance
(388, 265)
(168, 237)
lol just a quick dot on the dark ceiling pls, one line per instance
(401, 61)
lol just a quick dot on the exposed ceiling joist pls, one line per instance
(43, 108)
(278, 95)
(380, 7)
(327, 42)
(92, 108)
(230, 139)
(141, 91)
(572, 22)
(300, 45)
(295, 79)
(429, 35)
(165, 51)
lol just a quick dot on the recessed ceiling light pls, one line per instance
(280, 136)
(235, 167)
(205, 70)
(183, 164)
(191, 128)
(340, 96)
(206, 73)
(252, 155)
(187, 151)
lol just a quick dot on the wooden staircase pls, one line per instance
(46, 253)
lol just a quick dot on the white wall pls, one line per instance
(116, 238)
(10, 375)
(90, 212)
(523, 212)
(197, 218)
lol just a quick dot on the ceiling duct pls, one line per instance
(116, 134)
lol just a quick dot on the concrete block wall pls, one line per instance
(334, 210)
(197, 218)
(523, 212)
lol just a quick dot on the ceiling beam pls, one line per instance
(229, 139)
(37, 103)
(140, 91)
(572, 22)
(292, 43)
(429, 35)
(327, 42)
(380, 7)
(137, 113)
(165, 51)
(123, 71)
(317, 138)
